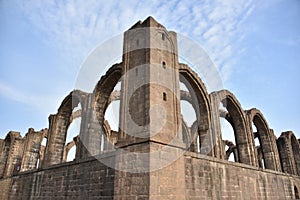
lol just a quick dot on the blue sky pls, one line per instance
(254, 43)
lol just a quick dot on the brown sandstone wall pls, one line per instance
(209, 178)
(205, 178)
(89, 179)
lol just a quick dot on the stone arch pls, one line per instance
(100, 99)
(43, 144)
(268, 152)
(10, 161)
(5, 154)
(289, 151)
(192, 139)
(67, 148)
(58, 126)
(32, 149)
(237, 119)
(202, 108)
(231, 149)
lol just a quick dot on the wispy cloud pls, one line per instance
(44, 104)
(76, 27)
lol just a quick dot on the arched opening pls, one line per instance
(232, 111)
(289, 152)
(228, 135)
(4, 156)
(111, 123)
(201, 141)
(164, 64)
(59, 127)
(258, 147)
(71, 154)
(296, 192)
(101, 136)
(164, 96)
(41, 153)
(189, 118)
(72, 131)
(262, 140)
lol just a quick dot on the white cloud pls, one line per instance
(44, 104)
(75, 27)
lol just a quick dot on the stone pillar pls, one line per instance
(275, 150)
(56, 139)
(215, 129)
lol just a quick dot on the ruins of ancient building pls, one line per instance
(155, 154)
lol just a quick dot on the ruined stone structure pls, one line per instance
(137, 161)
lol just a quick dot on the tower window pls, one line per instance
(137, 42)
(164, 64)
(296, 193)
(163, 36)
(164, 96)
(136, 71)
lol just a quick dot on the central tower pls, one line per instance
(150, 95)
(149, 161)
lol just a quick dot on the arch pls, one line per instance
(101, 98)
(289, 151)
(43, 144)
(237, 119)
(58, 126)
(4, 154)
(231, 149)
(10, 161)
(32, 149)
(226, 128)
(202, 107)
(268, 153)
(67, 148)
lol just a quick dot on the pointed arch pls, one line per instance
(268, 146)
(100, 99)
(289, 151)
(59, 124)
(201, 103)
(10, 161)
(237, 119)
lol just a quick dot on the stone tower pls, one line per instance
(150, 120)
(150, 101)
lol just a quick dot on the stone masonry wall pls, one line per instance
(88, 179)
(210, 178)
(205, 178)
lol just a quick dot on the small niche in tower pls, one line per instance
(164, 96)
(163, 36)
(137, 42)
(164, 64)
(136, 71)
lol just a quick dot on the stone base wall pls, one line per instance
(205, 178)
(209, 178)
(89, 179)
